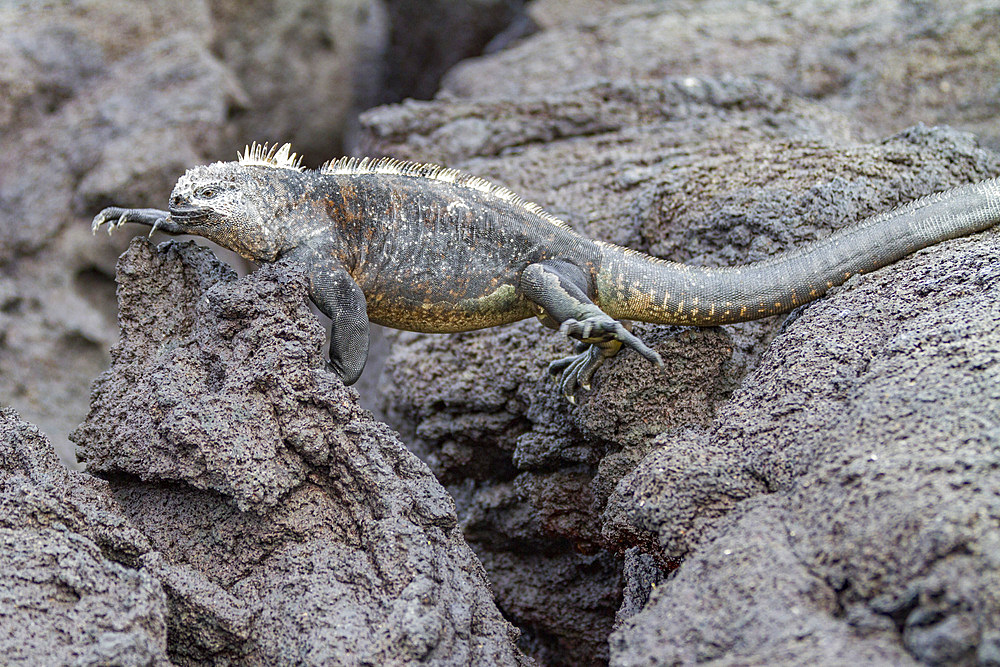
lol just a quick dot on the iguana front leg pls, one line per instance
(337, 295)
(558, 290)
(115, 217)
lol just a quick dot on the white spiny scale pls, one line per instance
(280, 157)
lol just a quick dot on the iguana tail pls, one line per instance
(634, 286)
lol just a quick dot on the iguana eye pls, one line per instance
(207, 192)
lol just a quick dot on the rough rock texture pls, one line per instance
(106, 101)
(698, 170)
(286, 521)
(65, 599)
(69, 113)
(888, 64)
(874, 422)
(478, 408)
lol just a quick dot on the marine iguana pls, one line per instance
(426, 248)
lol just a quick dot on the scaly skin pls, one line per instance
(421, 248)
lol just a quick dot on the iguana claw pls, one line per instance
(604, 329)
(115, 217)
(577, 370)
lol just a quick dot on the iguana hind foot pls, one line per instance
(600, 328)
(602, 337)
(558, 289)
(576, 371)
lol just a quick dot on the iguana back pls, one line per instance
(442, 255)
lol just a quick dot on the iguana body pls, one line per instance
(423, 248)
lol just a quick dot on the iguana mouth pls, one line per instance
(188, 213)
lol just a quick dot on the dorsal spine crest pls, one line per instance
(353, 166)
(275, 157)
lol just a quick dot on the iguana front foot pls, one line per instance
(115, 217)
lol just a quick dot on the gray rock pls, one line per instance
(298, 62)
(697, 170)
(39, 493)
(109, 101)
(287, 521)
(84, 134)
(872, 423)
(888, 64)
(642, 574)
(562, 601)
(65, 599)
(64, 603)
(427, 37)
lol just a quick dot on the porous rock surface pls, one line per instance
(887, 64)
(286, 522)
(428, 37)
(705, 171)
(873, 421)
(68, 559)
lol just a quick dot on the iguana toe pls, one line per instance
(114, 217)
(99, 220)
(576, 371)
(569, 382)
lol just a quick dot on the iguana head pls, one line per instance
(240, 205)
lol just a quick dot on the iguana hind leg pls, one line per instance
(558, 290)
